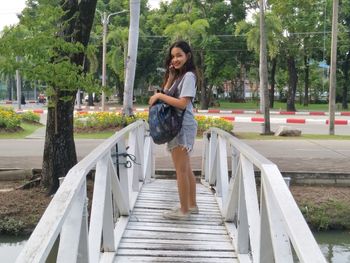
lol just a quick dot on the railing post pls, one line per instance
(83, 250)
(213, 158)
(148, 168)
(69, 237)
(205, 157)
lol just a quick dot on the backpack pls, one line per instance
(164, 120)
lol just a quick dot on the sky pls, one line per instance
(9, 9)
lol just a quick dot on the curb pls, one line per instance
(237, 119)
(283, 120)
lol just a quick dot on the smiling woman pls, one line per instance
(9, 11)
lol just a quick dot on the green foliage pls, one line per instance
(30, 116)
(9, 225)
(100, 121)
(332, 214)
(9, 119)
(205, 122)
(44, 55)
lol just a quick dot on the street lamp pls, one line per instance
(105, 20)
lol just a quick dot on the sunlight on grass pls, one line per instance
(27, 130)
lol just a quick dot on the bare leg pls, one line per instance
(186, 181)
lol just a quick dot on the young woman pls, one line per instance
(181, 75)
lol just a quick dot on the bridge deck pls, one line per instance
(151, 238)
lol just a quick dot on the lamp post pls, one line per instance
(105, 20)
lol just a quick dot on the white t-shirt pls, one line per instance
(187, 88)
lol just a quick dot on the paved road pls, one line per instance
(290, 155)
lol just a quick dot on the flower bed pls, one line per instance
(9, 120)
(99, 121)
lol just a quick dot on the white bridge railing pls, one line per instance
(122, 163)
(265, 228)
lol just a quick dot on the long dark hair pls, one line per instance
(188, 66)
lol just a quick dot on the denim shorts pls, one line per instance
(185, 138)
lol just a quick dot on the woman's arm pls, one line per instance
(180, 103)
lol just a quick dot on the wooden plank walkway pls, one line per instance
(151, 238)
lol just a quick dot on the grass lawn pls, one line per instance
(254, 105)
(28, 129)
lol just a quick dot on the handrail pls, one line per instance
(264, 228)
(114, 195)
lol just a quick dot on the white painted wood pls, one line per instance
(298, 231)
(137, 259)
(230, 208)
(132, 171)
(212, 158)
(280, 218)
(279, 238)
(266, 248)
(205, 158)
(42, 239)
(252, 206)
(119, 230)
(148, 171)
(97, 209)
(63, 204)
(242, 221)
(149, 235)
(124, 188)
(69, 237)
(108, 222)
(120, 194)
(83, 250)
(224, 180)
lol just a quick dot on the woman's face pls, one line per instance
(178, 58)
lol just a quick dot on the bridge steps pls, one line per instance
(151, 238)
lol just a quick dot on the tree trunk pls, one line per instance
(306, 81)
(346, 66)
(10, 86)
(263, 73)
(59, 150)
(292, 87)
(131, 59)
(273, 82)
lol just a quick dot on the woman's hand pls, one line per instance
(172, 73)
(154, 98)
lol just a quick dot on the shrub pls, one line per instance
(205, 122)
(332, 214)
(30, 116)
(9, 225)
(9, 119)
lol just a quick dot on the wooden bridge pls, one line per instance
(125, 222)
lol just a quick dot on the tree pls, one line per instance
(344, 49)
(273, 30)
(59, 150)
(263, 72)
(51, 41)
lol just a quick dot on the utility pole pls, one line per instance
(105, 21)
(264, 92)
(19, 86)
(332, 77)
